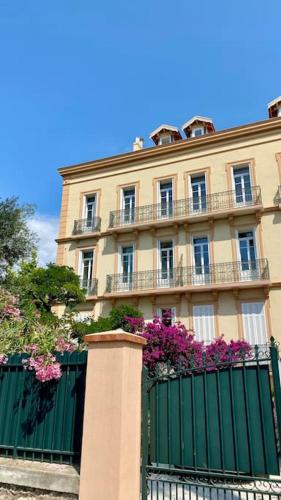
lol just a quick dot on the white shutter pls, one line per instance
(203, 322)
(254, 323)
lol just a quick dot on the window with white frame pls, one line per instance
(166, 198)
(165, 139)
(204, 322)
(197, 131)
(90, 209)
(167, 314)
(198, 193)
(254, 322)
(128, 203)
(166, 263)
(86, 269)
(126, 255)
(242, 185)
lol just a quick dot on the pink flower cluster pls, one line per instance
(45, 366)
(11, 311)
(175, 346)
(63, 345)
(3, 359)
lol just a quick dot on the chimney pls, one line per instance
(138, 144)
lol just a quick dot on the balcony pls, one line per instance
(90, 286)
(216, 205)
(277, 198)
(226, 275)
(87, 226)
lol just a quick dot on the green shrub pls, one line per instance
(117, 316)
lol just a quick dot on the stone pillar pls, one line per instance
(110, 462)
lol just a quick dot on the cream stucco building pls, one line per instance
(192, 224)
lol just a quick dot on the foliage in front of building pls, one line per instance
(175, 346)
(17, 241)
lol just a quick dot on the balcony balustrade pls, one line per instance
(91, 286)
(83, 226)
(187, 208)
(208, 276)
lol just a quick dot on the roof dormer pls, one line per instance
(165, 134)
(197, 126)
(274, 108)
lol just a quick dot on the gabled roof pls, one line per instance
(164, 127)
(275, 101)
(196, 119)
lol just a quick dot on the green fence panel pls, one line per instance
(215, 420)
(42, 421)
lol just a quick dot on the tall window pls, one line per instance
(203, 322)
(254, 323)
(198, 192)
(166, 255)
(166, 198)
(247, 252)
(87, 259)
(90, 210)
(167, 315)
(128, 205)
(242, 185)
(127, 265)
(201, 260)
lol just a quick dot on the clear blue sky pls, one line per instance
(81, 78)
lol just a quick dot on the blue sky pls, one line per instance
(80, 79)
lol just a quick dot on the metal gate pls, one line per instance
(210, 431)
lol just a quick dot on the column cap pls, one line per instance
(118, 335)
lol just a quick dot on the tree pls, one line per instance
(44, 287)
(16, 239)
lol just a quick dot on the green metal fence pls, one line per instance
(42, 421)
(208, 421)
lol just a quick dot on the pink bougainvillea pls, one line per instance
(176, 346)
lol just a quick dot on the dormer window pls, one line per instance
(274, 108)
(165, 134)
(165, 139)
(196, 132)
(197, 126)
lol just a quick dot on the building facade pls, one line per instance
(191, 224)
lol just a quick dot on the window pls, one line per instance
(127, 266)
(196, 132)
(279, 111)
(168, 315)
(165, 139)
(201, 260)
(87, 258)
(166, 198)
(254, 323)
(90, 210)
(203, 322)
(247, 253)
(198, 193)
(128, 205)
(166, 257)
(242, 185)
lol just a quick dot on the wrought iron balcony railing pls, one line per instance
(91, 286)
(213, 274)
(277, 198)
(188, 207)
(82, 226)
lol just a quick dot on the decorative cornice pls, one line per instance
(182, 146)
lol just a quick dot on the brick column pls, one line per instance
(110, 463)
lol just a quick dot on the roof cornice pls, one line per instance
(182, 146)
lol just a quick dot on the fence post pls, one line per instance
(110, 462)
(276, 382)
